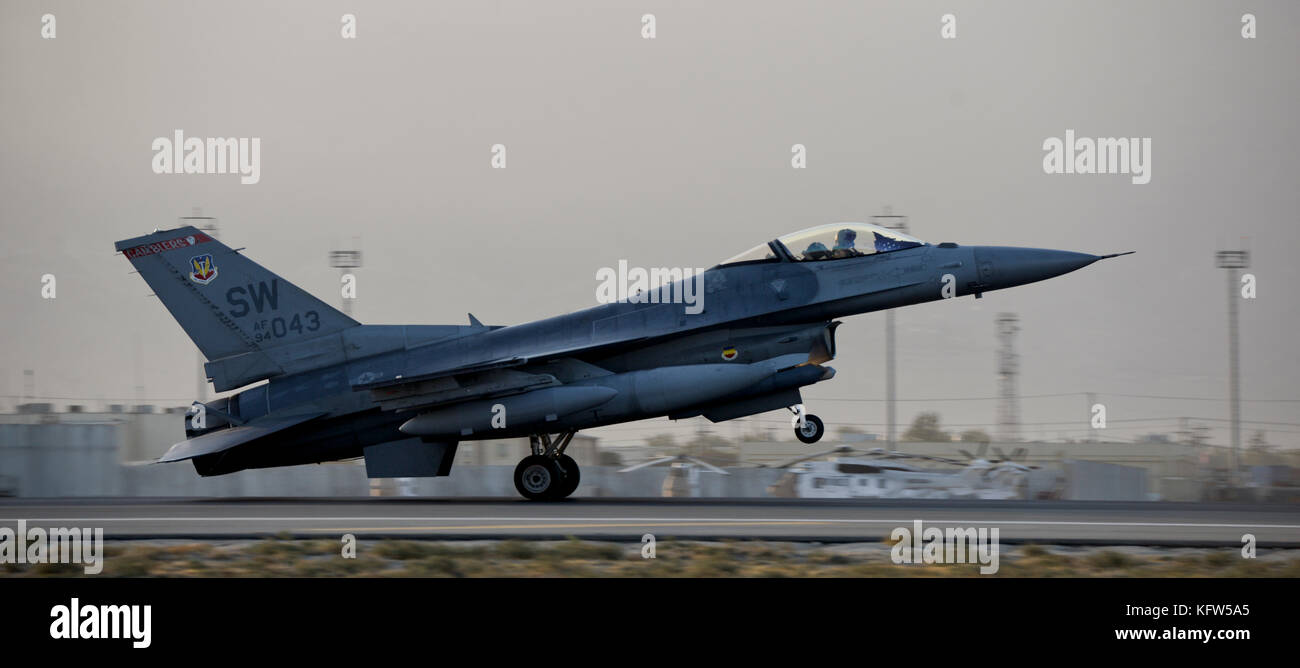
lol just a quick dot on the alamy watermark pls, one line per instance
(98, 622)
(656, 285)
(954, 545)
(179, 154)
(1104, 155)
(56, 545)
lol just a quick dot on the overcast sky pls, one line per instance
(672, 152)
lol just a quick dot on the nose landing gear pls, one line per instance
(807, 428)
(547, 474)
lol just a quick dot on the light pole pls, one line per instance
(1008, 373)
(890, 221)
(1092, 433)
(1233, 261)
(345, 260)
(207, 225)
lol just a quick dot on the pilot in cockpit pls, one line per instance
(816, 251)
(844, 244)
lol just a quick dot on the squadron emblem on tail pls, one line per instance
(202, 270)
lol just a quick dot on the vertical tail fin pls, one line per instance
(226, 303)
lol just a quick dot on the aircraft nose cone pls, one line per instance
(1004, 267)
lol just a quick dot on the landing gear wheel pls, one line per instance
(571, 476)
(538, 479)
(811, 430)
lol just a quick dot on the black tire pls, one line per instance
(572, 475)
(537, 478)
(811, 431)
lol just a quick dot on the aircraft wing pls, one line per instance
(225, 439)
(435, 371)
(455, 388)
(433, 374)
(432, 385)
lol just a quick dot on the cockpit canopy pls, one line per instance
(834, 241)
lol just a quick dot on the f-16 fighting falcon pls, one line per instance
(404, 396)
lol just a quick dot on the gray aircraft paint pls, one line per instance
(337, 389)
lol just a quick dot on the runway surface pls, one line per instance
(1110, 523)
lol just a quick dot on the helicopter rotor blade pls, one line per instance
(706, 466)
(652, 462)
(839, 449)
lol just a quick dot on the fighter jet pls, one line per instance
(404, 396)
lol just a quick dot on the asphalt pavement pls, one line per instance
(1055, 522)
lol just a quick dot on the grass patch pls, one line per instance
(1109, 560)
(280, 557)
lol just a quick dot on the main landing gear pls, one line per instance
(547, 474)
(809, 429)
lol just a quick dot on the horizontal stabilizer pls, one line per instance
(226, 439)
(410, 458)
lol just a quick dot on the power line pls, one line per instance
(1023, 396)
(1069, 422)
(1053, 394)
(104, 399)
(844, 399)
(1153, 396)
